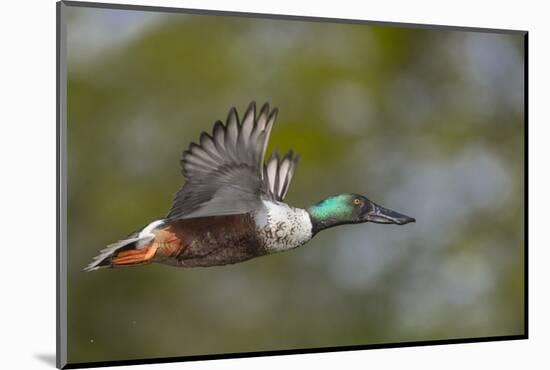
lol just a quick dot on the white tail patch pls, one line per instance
(145, 236)
(141, 241)
(107, 253)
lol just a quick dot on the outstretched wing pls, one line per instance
(277, 174)
(224, 172)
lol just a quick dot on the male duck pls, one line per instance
(231, 207)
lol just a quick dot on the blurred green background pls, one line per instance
(427, 122)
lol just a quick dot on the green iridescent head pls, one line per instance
(352, 209)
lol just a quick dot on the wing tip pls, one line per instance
(273, 114)
(265, 108)
(251, 106)
(232, 116)
(204, 136)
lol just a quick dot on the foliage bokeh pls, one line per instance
(425, 121)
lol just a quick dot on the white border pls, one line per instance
(28, 182)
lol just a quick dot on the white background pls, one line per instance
(27, 203)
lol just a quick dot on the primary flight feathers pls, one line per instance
(226, 173)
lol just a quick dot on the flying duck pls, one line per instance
(231, 209)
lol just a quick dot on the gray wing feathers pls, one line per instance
(265, 123)
(224, 171)
(229, 190)
(278, 173)
(231, 144)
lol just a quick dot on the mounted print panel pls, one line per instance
(239, 184)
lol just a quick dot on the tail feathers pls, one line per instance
(106, 255)
(135, 257)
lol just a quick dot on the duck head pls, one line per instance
(352, 209)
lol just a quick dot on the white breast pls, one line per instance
(282, 227)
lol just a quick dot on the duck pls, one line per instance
(231, 206)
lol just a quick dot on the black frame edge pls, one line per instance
(526, 182)
(60, 272)
(222, 356)
(192, 11)
(57, 198)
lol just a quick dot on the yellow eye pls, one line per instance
(357, 201)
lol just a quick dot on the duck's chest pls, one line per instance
(281, 227)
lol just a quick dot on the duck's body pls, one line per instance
(231, 208)
(202, 241)
(222, 240)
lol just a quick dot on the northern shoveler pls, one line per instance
(231, 207)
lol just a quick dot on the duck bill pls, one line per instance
(381, 215)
